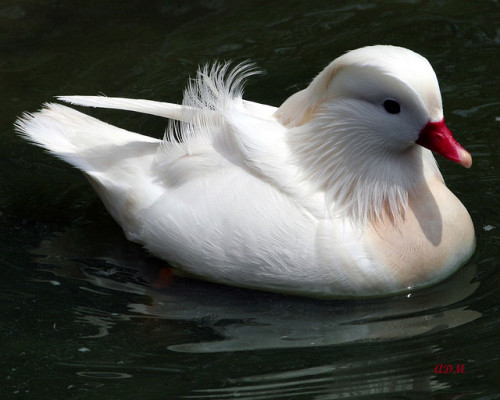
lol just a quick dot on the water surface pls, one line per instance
(86, 314)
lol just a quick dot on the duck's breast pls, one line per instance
(435, 238)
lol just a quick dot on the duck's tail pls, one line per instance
(77, 138)
(113, 159)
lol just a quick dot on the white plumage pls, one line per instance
(333, 194)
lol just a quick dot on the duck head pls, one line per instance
(364, 121)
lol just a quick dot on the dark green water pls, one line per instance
(82, 314)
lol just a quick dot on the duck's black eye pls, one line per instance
(392, 106)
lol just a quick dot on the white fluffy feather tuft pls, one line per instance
(211, 93)
(217, 85)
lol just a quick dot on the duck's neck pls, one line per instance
(360, 181)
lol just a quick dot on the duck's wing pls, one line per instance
(216, 118)
(260, 140)
(219, 130)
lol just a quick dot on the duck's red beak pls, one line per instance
(437, 137)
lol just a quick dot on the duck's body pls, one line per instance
(282, 199)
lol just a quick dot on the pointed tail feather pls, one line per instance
(166, 110)
(79, 139)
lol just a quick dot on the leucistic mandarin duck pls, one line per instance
(334, 194)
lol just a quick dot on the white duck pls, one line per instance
(333, 194)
